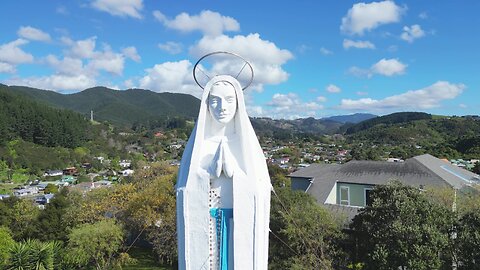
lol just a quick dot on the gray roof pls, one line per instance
(424, 170)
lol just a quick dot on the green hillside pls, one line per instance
(417, 133)
(285, 129)
(21, 117)
(119, 107)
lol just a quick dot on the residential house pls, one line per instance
(102, 183)
(68, 179)
(346, 188)
(125, 163)
(127, 172)
(70, 171)
(53, 173)
(26, 191)
(44, 199)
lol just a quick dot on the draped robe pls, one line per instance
(245, 163)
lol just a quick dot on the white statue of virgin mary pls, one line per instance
(223, 187)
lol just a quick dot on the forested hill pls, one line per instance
(21, 117)
(394, 118)
(444, 136)
(285, 129)
(118, 107)
(352, 118)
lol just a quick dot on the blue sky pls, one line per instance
(311, 58)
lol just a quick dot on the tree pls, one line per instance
(402, 230)
(303, 233)
(476, 168)
(6, 242)
(468, 240)
(50, 188)
(95, 244)
(24, 217)
(152, 210)
(35, 255)
(51, 224)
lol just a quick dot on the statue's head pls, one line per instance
(222, 102)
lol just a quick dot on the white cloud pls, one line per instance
(7, 68)
(131, 52)
(321, 99)
(366, 17)
(171, 47)
(423, 15)
(425, 98)
(282, 100)
(411, 33)
(266, 58)
(108, 61)
(361, 93)
(129, 84)
(290, 106)
(31, 33)
(463, 106)
(389, 67)
(255, 111)
(208, 22)
(331, 88)
(67, 66)
(360, 72)
(174, 77)
(122, 8)
(81, 48)
(359, 44)
(56, 82)
(11, 52)
(385, 67)
(325, 51)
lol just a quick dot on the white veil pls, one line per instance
(251, 192)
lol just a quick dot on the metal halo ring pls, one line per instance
(229, 53)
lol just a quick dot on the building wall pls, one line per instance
(299, 183)
(356, 193)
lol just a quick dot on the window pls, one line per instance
(368, 196)
(344, 195)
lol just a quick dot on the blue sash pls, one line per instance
(222, 217)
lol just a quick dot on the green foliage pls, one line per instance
(50, 189)
(468, 240)
(152, 209)
(23, 219)
(95, 244)
(23, 118)
(119, 107)
(6, 243)
(394, 118)
(402, 229)
(51, 223)
(35, 255)
(476, 168)
(278, 177)
(306, 233)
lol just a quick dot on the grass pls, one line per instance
(145, 260)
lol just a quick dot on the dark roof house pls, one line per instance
(345, 188)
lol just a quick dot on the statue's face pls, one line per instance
(222, 102)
